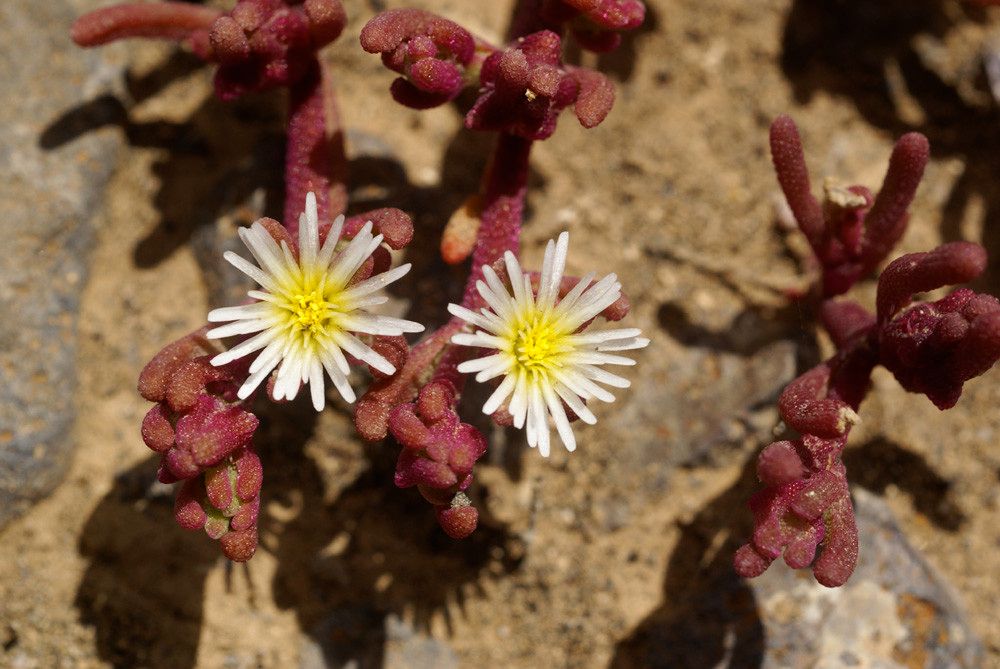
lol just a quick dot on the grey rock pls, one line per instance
(896, 610)
(700, 399)
(364, 639)
(52, 170)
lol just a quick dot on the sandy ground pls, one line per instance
(674, 192)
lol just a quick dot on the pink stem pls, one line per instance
(315, 160)
(165, 20)
(499, 232)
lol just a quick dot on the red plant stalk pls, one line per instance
(315, 160)
(803, 513)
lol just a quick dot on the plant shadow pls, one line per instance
(344, 564)
(708, 615)
(881, 462)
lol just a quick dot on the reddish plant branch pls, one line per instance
(803, 512)
(161, 20)
(315, 160)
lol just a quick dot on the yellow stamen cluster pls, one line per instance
(537, 345)
(309, 311)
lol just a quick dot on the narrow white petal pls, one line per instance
(575, 403)
(598, 358)
(377, 282)
(266, 297)
(309, 234)
(479, 339)
(316, 388)
(541, 422)
(602, 336)
(238, 328)
(255, 343)
(519, 400)
(372, 301)
(501, 366)
(559, 417)
(377, 325)
(604, 376)
(626, 345)
(556, 272)
(493, 281)
(516, 276)
(338, 377)
(568, 302)
(362, 352)
(287, 375)
(255, 378)
(261, 245)
(242, 312)
(471, 317)
(273, 351)
(604, 292)
(340, 361)
(479, 364)
(501, 305)
(545, 279)
(330, 245)
(251, 270)
(351, 258)
(502, 392)
(583, 386)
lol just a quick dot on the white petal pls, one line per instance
(500, 394)
(242, 312)
(567, 303)
(479, 340)
(362, 352)
(598, 358)
(255, 378)
(602, 336)
(519, 400)
(575, 403)
(255, 343)
(516, 276)
(545, 279)
(541, 422)
(376, 282)
(493, 281)
(267, 252)
(273, 351)
(478, 364)
(471, 317)
(338, 377)
(559, 417)
(316, 383)
(547, 299)
(377, 325)
(238, 328)
(627, 345)
(583, 386)
(330, 245)
(501, 366)
(352, 257)
(251, 270)
(598, 374)
(309, 234)
(498, 303)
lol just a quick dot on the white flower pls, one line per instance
(305, 315)
(544, 358)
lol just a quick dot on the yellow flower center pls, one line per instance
(310, 311)
(537, 345)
